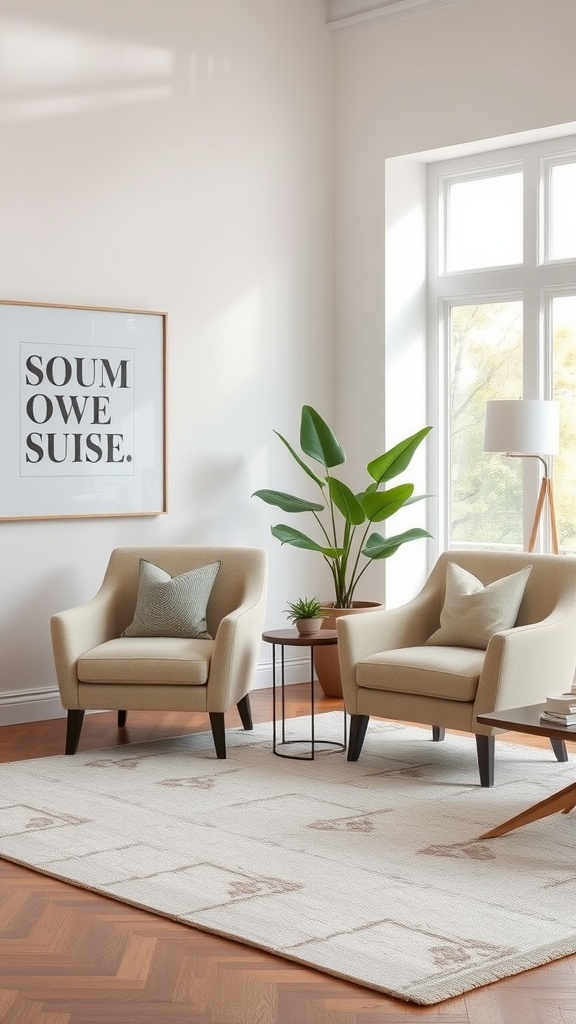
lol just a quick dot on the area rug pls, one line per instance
(370, 871)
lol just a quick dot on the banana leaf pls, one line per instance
(391, 463)
(288, 502)
(286, 535)
(378, 546)
(318, 441)
(380, 505)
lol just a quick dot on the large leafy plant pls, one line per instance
(346, 519)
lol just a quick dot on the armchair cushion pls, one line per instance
(172, 606)
(472, 612)
(449, 673)
(148, 660)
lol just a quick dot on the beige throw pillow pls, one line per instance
(473, 612)
(172, 605)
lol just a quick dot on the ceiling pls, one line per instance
(344, 16)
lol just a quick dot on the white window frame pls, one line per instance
(535, 282)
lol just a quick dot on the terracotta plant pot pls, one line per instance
(326, 660)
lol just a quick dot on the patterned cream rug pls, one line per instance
(370, 871)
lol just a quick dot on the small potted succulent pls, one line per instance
(306, 614)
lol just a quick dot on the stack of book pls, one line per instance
(560, 709)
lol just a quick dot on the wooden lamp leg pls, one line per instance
(538, 514)
(552, 510)
(545, 494)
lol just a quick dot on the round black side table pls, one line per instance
(291, 638)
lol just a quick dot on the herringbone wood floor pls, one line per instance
(68, 956)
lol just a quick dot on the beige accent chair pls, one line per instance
(99, 669)
(388, 671)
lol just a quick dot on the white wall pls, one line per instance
(468, 72)
(177, 156)
(172, 156)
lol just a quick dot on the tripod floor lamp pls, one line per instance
(529, 429)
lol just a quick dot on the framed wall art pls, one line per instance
(82, 411)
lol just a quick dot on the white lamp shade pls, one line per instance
(522, 427)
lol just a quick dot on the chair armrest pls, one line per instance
(76, 631)
(525, 664)
(236, 650)
(364, 634)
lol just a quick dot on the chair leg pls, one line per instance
(485, 751)
(73, 730)
(218, 733)
(121, 719)
(245, 712)
(358, 726)
(438, 733)
(559, 748)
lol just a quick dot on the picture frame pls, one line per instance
(82, 411)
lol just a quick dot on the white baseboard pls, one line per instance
(40, 705)
(23, 706)
(296, 670)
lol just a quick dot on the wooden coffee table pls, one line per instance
(527, 720)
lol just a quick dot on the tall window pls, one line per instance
(502, 310)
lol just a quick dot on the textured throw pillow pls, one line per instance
(473, 612)
(172, 605)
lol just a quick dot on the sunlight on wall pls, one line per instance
(405, 298)
(46, 71)
(404, 238)
(209, 67)
(406, 362)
